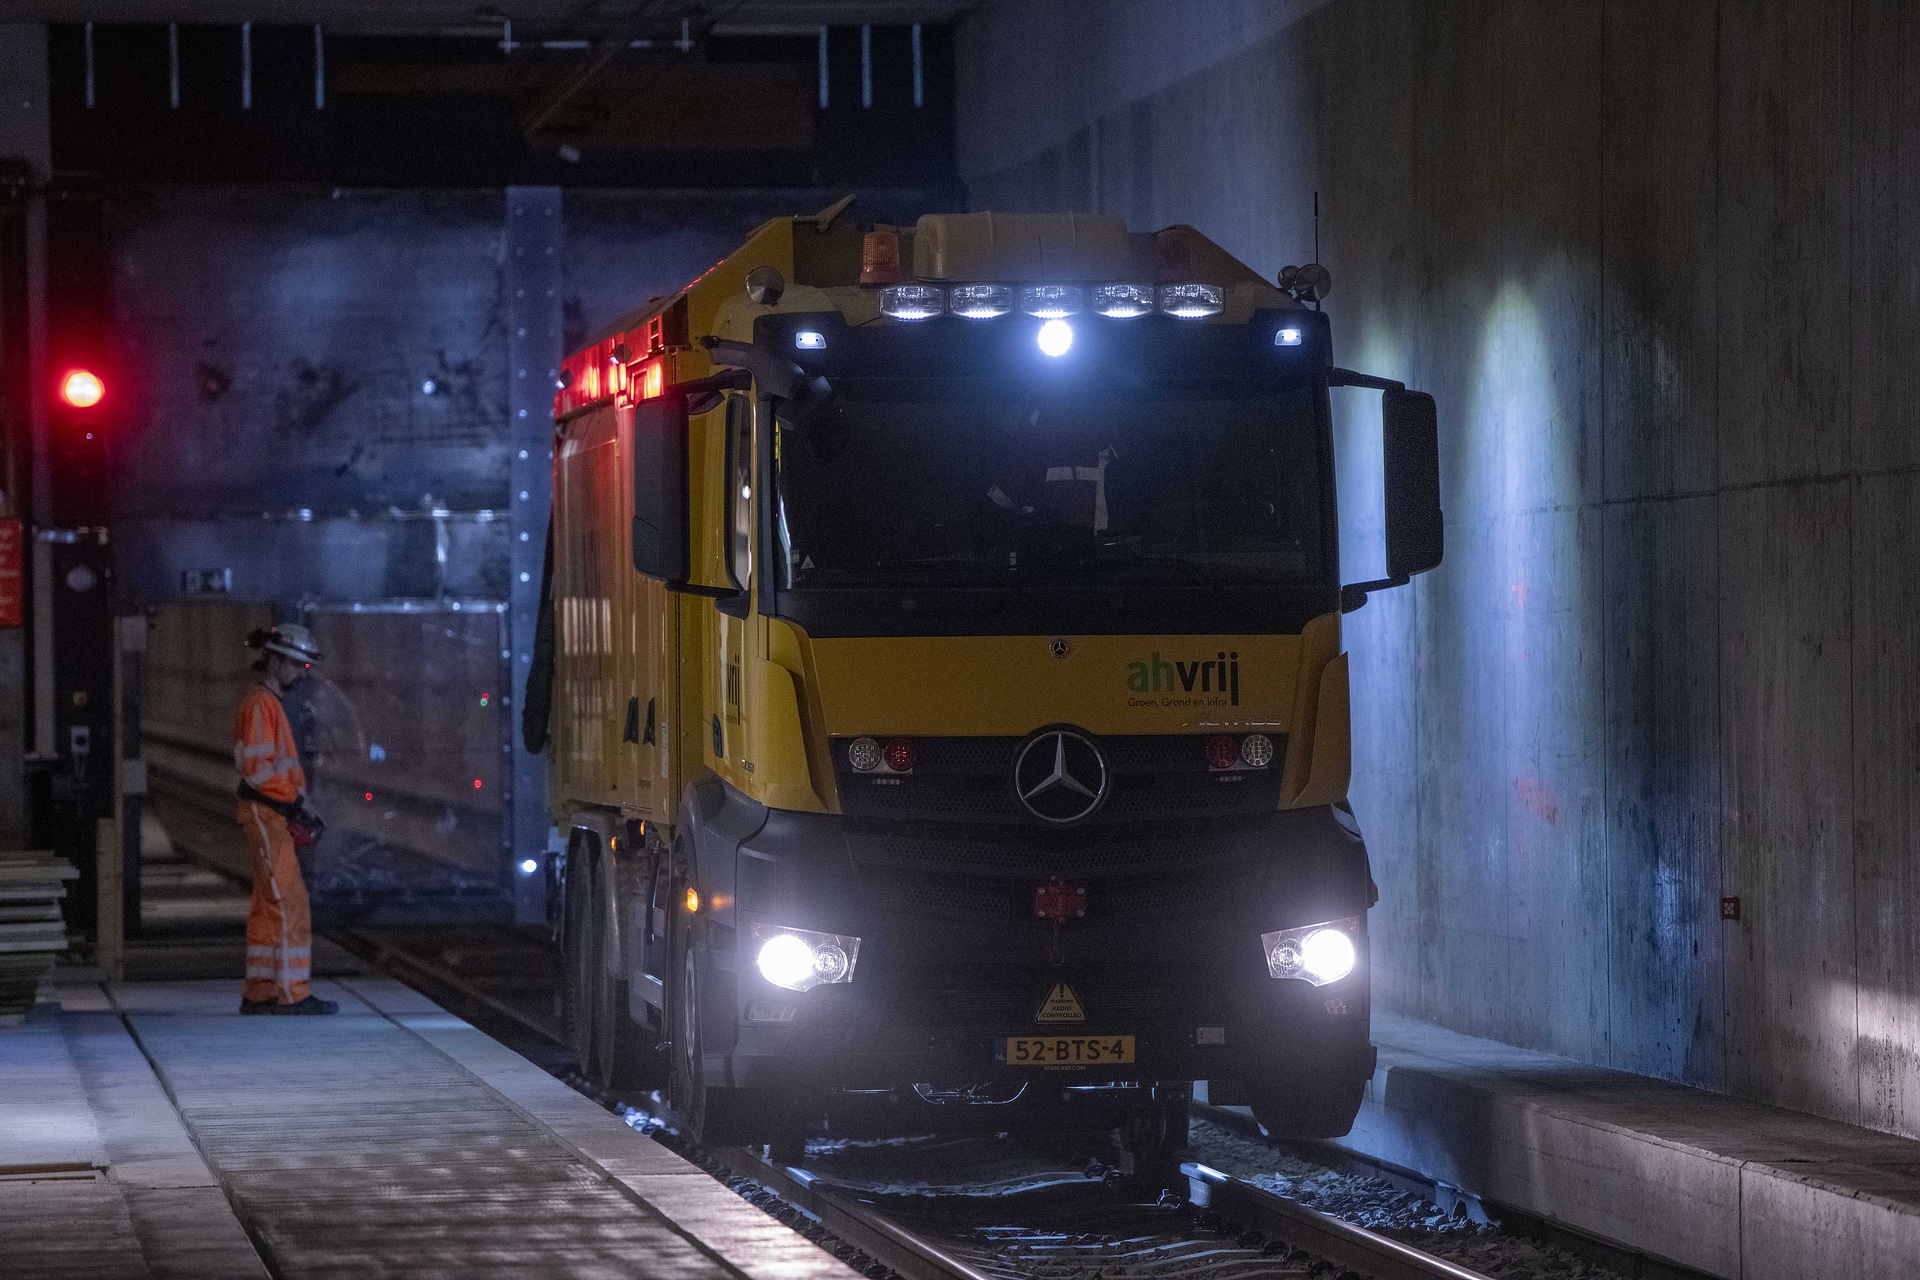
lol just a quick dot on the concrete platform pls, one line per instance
(1724, 1186)
(148, 1130)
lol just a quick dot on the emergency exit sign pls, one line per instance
(12, 572)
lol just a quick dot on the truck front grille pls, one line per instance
(968, 780)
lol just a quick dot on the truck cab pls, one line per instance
(948, 712)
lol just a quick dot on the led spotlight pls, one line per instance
(1052, 301)
(1123, 301)
(1055, 337)
(980, 301)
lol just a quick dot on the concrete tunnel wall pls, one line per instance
(1658, 263)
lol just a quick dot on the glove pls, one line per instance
(306, 826)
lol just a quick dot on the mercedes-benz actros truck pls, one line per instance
(943, 688)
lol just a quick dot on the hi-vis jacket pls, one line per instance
(263, 749)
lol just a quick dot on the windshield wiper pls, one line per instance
(1194, 567)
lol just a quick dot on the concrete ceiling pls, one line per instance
(484, 16)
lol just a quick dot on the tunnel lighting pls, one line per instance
(1256, 749)
(1052, 301)
(980, 301)
(82, 389)
(1123, 301)
(693, 900)
(1288, 337)
(800, 960)
(528, 866)
(808, 340)
(864, 755)
(1315, 953)
(913, 301)
(1190, 301)
(1056, 337)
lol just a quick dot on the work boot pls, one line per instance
(312, 1005)
(250, 1008)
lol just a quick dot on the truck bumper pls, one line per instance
(952, 962)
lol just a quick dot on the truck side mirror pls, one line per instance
(660, 489)
(1410, 449)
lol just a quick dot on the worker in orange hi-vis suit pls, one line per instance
(274, 814)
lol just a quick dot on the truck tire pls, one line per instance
(624, 1060)
(714, 1115)
(578, 950)
(604, 1009)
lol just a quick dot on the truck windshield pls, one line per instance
(978, 482)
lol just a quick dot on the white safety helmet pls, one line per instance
(289, 640)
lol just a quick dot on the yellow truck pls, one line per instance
(943, 688)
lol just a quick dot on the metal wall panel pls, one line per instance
(536, 243)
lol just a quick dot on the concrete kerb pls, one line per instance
(1715, 1184)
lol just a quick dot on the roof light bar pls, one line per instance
(1052, 301)
(1191, 301)
(913, 301)
(1123, 301)
(980, 301)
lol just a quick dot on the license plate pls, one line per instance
(1066, 1051)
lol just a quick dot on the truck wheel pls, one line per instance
(1323, 1107)
(624, 1061)
(714, 1115)
(1155, 1136)
(578, 950)
(602, 990)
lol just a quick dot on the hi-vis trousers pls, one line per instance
(279, 926)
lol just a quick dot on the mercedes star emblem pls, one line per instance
(1060, 775)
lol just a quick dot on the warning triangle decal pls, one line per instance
(1061, 1005)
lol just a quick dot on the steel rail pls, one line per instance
(860, 1226)
(1339, 1242)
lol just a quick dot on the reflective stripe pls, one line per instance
(259, 776)
(256, 749)
(298, 953)
(283, 976)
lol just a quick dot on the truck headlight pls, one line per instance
(1318, 953)
(800, 960)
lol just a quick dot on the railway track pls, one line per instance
(947, 1210)
(1224, 1227)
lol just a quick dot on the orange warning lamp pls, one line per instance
(82, 389)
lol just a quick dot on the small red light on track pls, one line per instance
(901, 754)
(476, 784)
(1223, 751)
(82, 389)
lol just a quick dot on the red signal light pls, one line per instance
(82, 389)
(900, 754)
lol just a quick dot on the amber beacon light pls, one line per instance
(82, 389)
